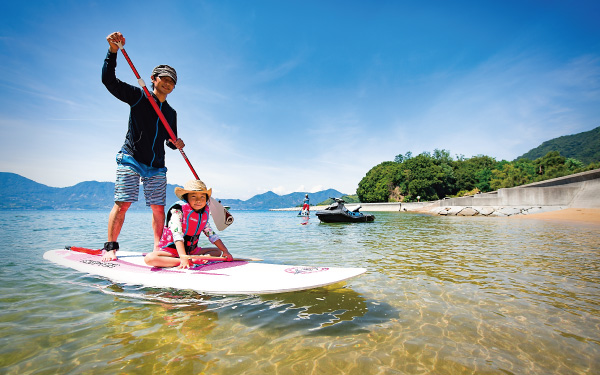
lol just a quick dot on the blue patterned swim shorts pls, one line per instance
(129, 174)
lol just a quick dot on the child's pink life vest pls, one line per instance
(192, 225)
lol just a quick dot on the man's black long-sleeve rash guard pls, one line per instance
(146, 135)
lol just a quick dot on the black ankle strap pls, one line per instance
(108, 246)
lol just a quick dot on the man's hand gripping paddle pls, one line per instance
(221, 216)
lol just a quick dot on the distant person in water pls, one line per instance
(306, 206)
(143, 153)
(186, 220)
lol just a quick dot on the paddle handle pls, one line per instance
(156, 109)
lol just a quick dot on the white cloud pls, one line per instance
(507, 106)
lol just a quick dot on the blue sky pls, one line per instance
(297, 95)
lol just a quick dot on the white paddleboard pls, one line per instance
(238, 277)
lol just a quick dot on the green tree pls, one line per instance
(429, 177)
(377, 185)
(436, 175)
(551, 165)
(574, 165)
(401, 158)
(513, 174)
(442, 156)
(475, 172)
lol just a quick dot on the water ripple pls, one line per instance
(444, 295)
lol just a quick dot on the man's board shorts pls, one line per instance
(127, 184)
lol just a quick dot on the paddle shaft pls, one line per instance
(209, 257)
(156, 109)
(198, 257)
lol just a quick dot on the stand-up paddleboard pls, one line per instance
(237, 277)
(220, 215)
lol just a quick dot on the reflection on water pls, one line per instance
(311, 310)
(441, 295)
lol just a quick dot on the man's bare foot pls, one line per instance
(109, 256)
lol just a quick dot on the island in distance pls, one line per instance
(21, 193)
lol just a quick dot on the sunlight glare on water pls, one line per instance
(443, 295)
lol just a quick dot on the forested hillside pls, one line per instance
(584, 147)
(435, 176)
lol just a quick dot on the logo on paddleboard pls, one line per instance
(305, 270)
(97, 263)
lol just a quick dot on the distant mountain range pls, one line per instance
(20, 193)
(584, 147)
(270, 200)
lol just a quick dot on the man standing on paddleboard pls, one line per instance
(143, 153)
(306, 206)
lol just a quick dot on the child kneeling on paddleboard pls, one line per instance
(186, 219)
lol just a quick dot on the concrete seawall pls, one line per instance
(581, 190)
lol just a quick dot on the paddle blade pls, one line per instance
(220, 215)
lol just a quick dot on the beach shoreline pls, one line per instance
(572, 215)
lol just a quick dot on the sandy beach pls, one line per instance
(578, 215)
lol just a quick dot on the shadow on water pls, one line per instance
(333, 310)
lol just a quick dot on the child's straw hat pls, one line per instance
(193, 186)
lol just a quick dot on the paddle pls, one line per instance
(198, 257)
(221, 216)
(224, 218)
(155, 106)
(209, 257)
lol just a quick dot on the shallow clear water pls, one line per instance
(443, 295)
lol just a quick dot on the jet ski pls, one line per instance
(338, 213)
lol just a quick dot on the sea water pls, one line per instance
(442, 295)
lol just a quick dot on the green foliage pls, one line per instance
(436, 175)
(584, 147)
(430, 177)
(400, 158)
(574, 164)
(524, 171)
(347, 198)
(474, 173)
(379, 181)
(463, 193)
(426, 176)
(512, 174)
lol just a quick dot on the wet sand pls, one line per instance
(576, 215)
